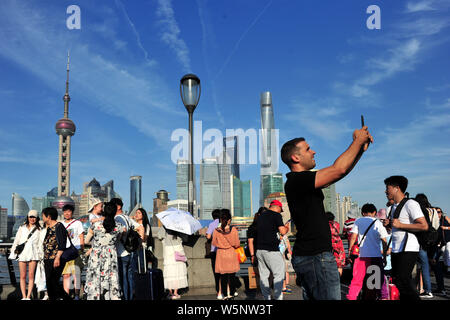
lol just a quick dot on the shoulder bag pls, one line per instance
(355, 249)
(20, 247)
(70, 253)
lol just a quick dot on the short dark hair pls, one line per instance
(368, 208)
(215, 214)
(288, 149)
(117, 202)
(397, 181)
(330, 216)
(50, 212)
(68, 207)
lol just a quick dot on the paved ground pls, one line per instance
(243, 294)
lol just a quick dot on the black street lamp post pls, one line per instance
(190, 90)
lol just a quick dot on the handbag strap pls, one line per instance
(74, 220)
(68, 237)
(367, 230)
(396, 214)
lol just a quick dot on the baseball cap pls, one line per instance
(277, 203)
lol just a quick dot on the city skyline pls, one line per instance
(322, 64)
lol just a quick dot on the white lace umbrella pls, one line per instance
(179, 220)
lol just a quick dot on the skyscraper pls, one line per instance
(19, 211)
(65, 129)
(241, 198)
(19, 206)
(228, 168)
(183, 180)
(210, 190)
(270, 178)
(135, 192)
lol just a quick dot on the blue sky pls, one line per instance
(322, 64)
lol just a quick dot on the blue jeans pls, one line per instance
(318, 276)
(423, 260)
(126, 276)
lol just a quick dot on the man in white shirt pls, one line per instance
(76, 233)
(368, 232)
(405, 246)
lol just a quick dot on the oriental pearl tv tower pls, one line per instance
(65, 129)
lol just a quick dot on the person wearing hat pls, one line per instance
(95, 211)
(95, 214)
(270, 259)
(27, 234)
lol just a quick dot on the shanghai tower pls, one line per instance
(65, 129)
(271, 181)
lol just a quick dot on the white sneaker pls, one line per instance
(45, 297)
(426, 295)
(26, 299)
(220, 297)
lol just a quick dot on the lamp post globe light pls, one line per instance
(190, 90)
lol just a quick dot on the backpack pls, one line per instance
(132, 241)
(427, 239)
(430, 238)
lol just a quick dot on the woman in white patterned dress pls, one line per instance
(102, 274)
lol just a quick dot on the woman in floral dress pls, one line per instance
(102, 276)
(336, 243)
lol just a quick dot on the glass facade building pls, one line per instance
(183, 180)
(242, 198)
(210, 189)
(271, 183)
(135, 191)
(270, 180)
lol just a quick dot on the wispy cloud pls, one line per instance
(324, 122)
(170, 33)
(419, 6)
(207, 43)
(119, 43)
(236, 46)
(35, 46)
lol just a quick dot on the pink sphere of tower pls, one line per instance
(65, 127)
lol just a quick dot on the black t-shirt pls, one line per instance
(307, 211)
(266, 230)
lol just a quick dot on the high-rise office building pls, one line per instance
(271, 181)
(65, 129)
(210, 189)
(3, 223)
(241, 198)
(19, 211)
(135, 192)
(183, 180)
(19, 208)
(228, 168)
